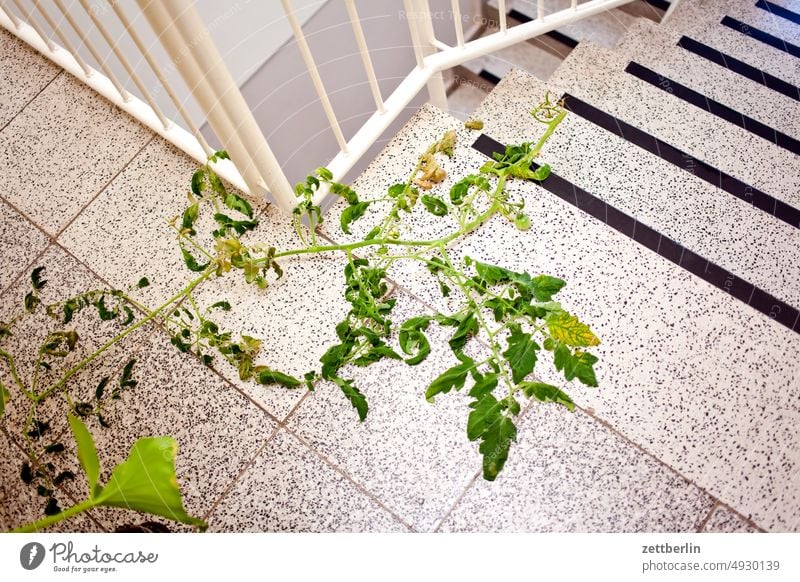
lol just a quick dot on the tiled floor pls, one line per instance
(693, 428)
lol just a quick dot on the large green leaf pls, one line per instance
(146, 482)
(451, 378)
(580, 365)
(521, 353)
(351, 214)
(354, 395)
(495, 444)
(484, 412)
(87, 453)
(547, 393)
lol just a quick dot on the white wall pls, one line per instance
(247, 32)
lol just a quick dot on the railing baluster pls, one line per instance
(361, 41)
(313, 72)
(540, 10)
(188, 43)
(65, 41)
(30, 21)
(11, 16)
(459, 24)
(574, 4)
(92, 50)
(111, 41)
(501, 11)
(425, 33)
(413, 29)
(123, 18)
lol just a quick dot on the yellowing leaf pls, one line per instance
(568, 329)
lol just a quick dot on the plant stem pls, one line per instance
(152, 315)
(50, 520)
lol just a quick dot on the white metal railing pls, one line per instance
(188, 44)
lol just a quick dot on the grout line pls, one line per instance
(347, 476)
(105, 186)
(31, 100)
(229, 487)
(703, 522)
(458, 500)
(590, 413)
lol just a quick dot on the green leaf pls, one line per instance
(31, 301)
(5, 396)
(324, 173)
(239, 204)
(101, 388)
(484, 385)
(475, 124)
(129, 315)
(143, 282)
(239, 226)
(545, 286)
(467, 328)
(199, 181)
(345, 192)
(396, 190)
(580, 365)
(454, 377)
(412, 341)
(222, 305)
(495, 443)
(356, 398)
(521, 353)
(485, 411)
(547, 393)
(568, 329)
(36, 279)
(190, 216)
(266, 376)
(126, 378)
(102, 310)
(351, 214)
(87, 453)
(191, 262)
(146, 482)
(434, 205)
(375, 354)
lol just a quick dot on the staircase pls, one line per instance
(673, 214)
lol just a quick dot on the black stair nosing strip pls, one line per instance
(739, 67)
(489, 77)
(706, 172)
(716, 108)
(660, 4)
(761, 36)
(779, 11)
(663, 246)
(554, 34)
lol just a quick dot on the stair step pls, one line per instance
(536, 60)
(707, 220)
(677, 403)
(604, 29)
(693, 14)
(597, 76)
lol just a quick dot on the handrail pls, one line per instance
(188, 43)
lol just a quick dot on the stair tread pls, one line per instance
(535, 60)
(692, 14)
(707, 220)
(604, 28)
(596, 75)
(647, 310)
(660, 53)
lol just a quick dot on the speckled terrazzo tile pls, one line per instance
(705, 219)
(568, 473)
(597, 76)
(124, 233)
(65, 278)
(290, 489)
(412, 455)
(537, 61)
(295, 318)
(718, 413)
(23, 73)
(646, 45)
(723, 520)
(62, 149)
(20, 242)
(218, 430)
(694, 13)
(20, 504)
(395, 163)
